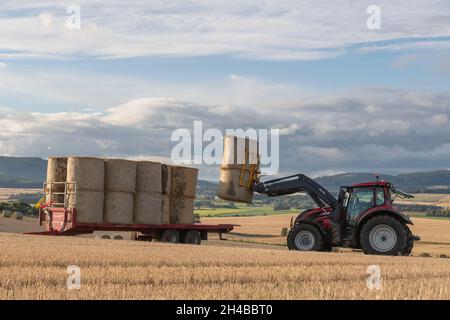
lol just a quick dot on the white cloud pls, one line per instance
(289, 130)
(282, 30)
(323, 173)
(440, 119)
(236, 77)
(46, 19)
(333, 133)
(83, 89)
(407, 46)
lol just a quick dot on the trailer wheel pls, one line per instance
(118, 237)
(192, 237)
(106, 236)
(171, 236)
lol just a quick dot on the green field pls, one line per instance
(242, 211)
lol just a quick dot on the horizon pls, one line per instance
(314, 177)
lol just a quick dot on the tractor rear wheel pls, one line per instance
(410, 244)
(385, 235)
(305, 237)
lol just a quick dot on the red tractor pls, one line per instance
(361, 218)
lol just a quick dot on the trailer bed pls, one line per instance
(63, 222)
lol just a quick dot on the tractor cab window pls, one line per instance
(361, 199)
(379, 196)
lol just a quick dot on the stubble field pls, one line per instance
(34, 267)
(434, 233)
(253, 264)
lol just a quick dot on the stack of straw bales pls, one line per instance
(127, 192)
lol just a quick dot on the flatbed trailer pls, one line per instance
(63, 222)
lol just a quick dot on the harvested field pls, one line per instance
(148, 270)
(12, 225)
(429, 199)
(5, 193)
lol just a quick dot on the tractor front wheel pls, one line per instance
(305, 237)
(385, 235)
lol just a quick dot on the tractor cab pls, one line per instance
(358, 199)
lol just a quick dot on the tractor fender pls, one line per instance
(303, 214)
(383, 210)
(313, 223)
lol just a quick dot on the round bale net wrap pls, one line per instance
(87, 177)
(239, 169)
(119, 207)
(120, 186)
(183, 187)
(148, 197)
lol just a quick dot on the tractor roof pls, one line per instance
(380, 183)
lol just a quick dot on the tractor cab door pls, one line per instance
(339, 215)
(352, 203)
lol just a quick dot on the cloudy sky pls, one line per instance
(346, 97)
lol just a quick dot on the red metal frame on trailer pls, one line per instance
(61, 221)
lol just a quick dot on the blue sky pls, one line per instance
(347, 98)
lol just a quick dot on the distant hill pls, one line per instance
(417, 182)
(22, 172)
(426, 182)
(17, 172)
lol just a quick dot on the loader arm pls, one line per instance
(297, 183)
